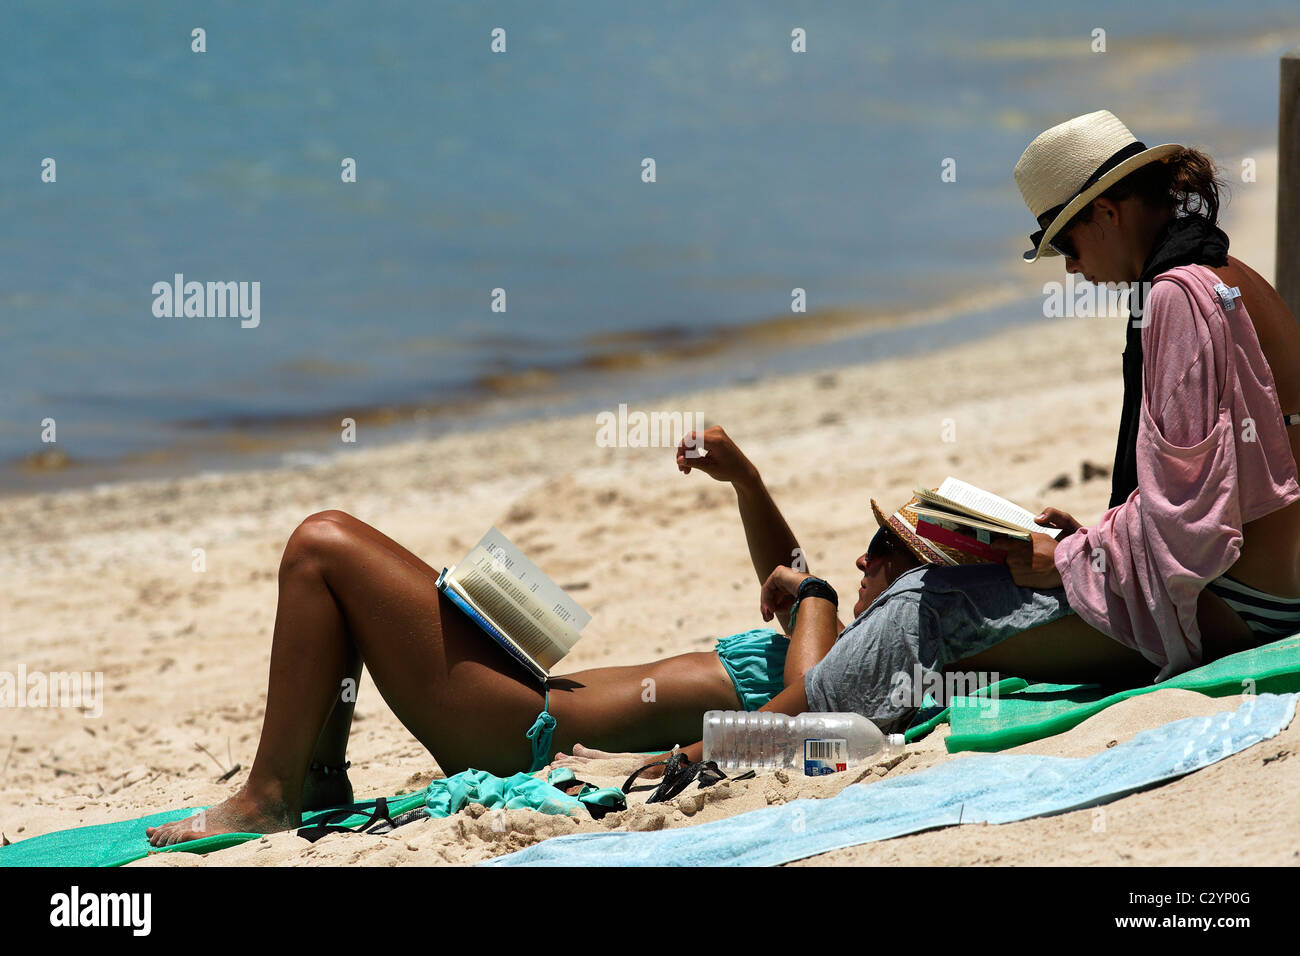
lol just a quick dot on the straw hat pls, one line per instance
(903, 523)
(1070, 165)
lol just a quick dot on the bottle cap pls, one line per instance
(897, 740)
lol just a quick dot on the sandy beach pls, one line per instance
(102, 580)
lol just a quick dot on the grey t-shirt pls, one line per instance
(930, 617)
(873, 664)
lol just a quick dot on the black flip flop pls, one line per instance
(679, 774)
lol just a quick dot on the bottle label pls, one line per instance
(824, 755)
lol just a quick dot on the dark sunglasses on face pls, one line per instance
(1059, 242)
(881, 546)
(1064, 246)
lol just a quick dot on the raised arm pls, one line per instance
(771, 542)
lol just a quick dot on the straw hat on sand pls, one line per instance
(1070, 165)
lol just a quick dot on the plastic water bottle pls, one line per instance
(814, 743)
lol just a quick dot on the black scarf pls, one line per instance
(1185, 240)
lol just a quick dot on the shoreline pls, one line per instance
(649, 365)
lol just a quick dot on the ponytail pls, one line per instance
(1186, 183)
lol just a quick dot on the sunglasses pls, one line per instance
(1058, 242)
(882, 545)
(1063, 246)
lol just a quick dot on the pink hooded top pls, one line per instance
(1213, 454)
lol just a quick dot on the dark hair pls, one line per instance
(1186, 183)
(886, 544)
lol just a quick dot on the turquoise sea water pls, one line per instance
(522, 171)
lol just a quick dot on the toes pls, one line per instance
(169, 835)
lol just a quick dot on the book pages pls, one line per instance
(966, 498)
(506, 558)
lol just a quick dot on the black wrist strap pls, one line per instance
(816, 587)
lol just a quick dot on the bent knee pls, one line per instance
(331, 514)
(316, 538)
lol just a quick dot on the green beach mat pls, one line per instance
(1013, 711)
(115, 844)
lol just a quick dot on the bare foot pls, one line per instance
(323, 790)
(605, 763)
(240, 813)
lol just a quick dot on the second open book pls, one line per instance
(966, 518)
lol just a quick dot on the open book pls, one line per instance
(514, 603)
(965, 518)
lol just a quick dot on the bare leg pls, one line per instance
(330, 786)
(1067, 650)
(642, 707)
(333, 788)
(345, 595)
(342, 592)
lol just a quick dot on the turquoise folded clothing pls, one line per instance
(520, 792)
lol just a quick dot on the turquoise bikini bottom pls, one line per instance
(755, 661)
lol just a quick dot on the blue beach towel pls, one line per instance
(980, 788)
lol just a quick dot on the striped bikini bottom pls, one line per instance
(1268, 616)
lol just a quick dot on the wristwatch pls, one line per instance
(816, 587)
(812, 587)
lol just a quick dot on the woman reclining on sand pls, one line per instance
(1205, 482)
(349, 594)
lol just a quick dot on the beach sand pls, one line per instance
(102, 580)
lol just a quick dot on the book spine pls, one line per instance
(960, 542)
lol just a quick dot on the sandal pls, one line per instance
(378, 821)
(678, 775)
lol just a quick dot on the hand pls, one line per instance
(714, 453)
(1055, 518)
(779, 591)
(1032, 563)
